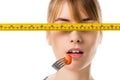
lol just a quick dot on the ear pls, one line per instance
(48, 37)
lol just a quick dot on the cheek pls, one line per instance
(58, 45)
(92, 43)
(90, 48)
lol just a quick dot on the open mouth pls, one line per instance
(75, 53)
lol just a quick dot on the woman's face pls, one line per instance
(85, 42)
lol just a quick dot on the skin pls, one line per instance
(62, 41)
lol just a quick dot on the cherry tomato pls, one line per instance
(68, 59)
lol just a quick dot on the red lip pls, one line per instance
(76, 56)
(75, 49)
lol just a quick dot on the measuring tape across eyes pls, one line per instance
(66, 27)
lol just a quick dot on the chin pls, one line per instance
(74, 67)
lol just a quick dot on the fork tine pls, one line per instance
(59, 64)
(62, 59)
(62, 65)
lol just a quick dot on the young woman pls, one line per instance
(85, 42)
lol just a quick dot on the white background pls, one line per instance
(25, 55)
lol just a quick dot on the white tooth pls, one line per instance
(73, 51)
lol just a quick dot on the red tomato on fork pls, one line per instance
(68, 59)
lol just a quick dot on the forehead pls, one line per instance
(66, 12)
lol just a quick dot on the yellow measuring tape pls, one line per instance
(82, 26)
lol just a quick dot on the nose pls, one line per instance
(75, 37)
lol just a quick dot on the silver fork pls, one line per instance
(59, 64)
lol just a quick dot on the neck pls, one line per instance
(65, 74)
